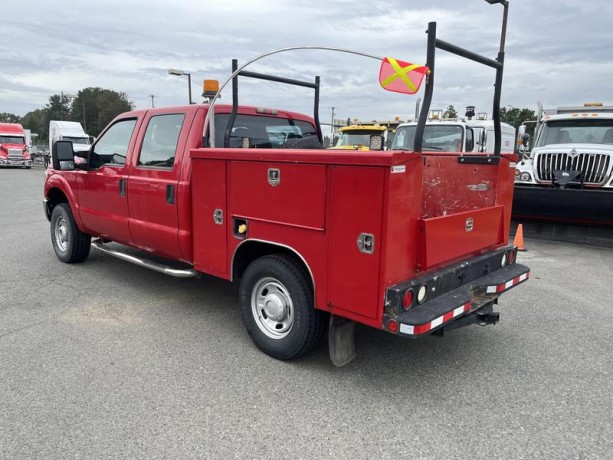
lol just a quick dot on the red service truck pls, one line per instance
(14, 150)
(411, 242)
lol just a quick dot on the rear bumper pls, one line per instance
(454, 292)
(570, 205)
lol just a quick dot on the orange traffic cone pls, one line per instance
(519, 238)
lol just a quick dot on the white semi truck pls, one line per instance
(68, 131)
(567, 175)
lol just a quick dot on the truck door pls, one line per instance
(102, 189)
(153, 183)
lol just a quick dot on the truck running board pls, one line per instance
(167, 270)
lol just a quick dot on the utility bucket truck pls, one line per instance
(412, 242)
(456, 134)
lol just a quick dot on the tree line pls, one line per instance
(94, 108)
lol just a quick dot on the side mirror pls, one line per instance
(62, 156)
(376, 142)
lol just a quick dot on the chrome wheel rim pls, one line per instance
(61, 234)
(272, 308)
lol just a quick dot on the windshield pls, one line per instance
(579, 131)
(357, 137)
(351, 139)
(8, 139)
(76, 140)
(447, 138)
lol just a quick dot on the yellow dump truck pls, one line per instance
(358, 137)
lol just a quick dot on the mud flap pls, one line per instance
(341, 340)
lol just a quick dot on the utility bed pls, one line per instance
(362, 222)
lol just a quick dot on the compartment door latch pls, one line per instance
(218, 216)
(366, 243)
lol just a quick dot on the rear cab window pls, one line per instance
(261, 131)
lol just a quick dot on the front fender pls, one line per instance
(57, 185)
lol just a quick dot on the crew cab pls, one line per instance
(410, 242)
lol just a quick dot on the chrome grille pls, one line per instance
(594, 166)
(15, 154)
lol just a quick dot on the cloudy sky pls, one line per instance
(558, 51)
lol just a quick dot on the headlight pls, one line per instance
(525, 177)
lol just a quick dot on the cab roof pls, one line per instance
(223, 108)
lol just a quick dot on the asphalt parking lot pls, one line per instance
(105, 359)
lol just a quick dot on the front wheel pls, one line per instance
(277, 308)
(70, 244)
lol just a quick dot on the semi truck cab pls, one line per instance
(14, 150)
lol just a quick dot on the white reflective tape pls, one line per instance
(508, 284)
(436, 322)
(490, 290)
(458, 311)
(523, 277)
(406, 329)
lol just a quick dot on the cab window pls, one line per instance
(261, 131)
(160, 141)
(112, 147)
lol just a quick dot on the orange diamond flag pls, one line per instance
(400, 76)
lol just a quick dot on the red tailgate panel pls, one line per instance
(356, 207)
(298, 199)
(459, 235)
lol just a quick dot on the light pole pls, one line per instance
(332, 128)
(189, 80)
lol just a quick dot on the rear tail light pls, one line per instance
(407, 299)
(512, 255)
(392, 326)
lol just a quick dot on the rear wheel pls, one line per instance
(277, 308)
(70, 244)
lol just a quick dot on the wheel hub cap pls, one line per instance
(272, 308)
(61, 235)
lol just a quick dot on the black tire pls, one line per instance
(70, 244)
(277, 307)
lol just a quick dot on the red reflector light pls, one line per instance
(407, 299)
(392, 326)
(512, 255)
